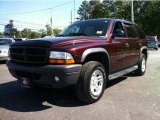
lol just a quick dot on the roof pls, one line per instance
(112, 19)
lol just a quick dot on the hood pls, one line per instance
(59, 41)
(66, 41)
(4, 47)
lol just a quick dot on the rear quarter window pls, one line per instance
(140, 32)
(131, 30)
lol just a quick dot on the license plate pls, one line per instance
(25, 82)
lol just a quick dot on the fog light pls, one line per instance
(56, 78)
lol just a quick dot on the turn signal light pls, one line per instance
(60, 61)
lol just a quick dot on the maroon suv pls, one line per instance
(86, 54)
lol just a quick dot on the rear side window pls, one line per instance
(131, 31)
(140, 32)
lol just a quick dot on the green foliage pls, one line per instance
(35, 35)
(84, 10)
(18, 34)
(56, 31)
(27, 33)
(49, 30)
(1, 33)
(42, 33)
(146, 13)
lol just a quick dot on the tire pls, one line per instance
(91, 83)
(141, 66)
(156, 48)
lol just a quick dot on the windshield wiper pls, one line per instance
(60, 35)
(73, 34)
(79, 34)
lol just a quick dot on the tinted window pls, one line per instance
(118, 29)
(89, 28)
(140, 32)
(5, 41)
(151, 38)
(130, 30)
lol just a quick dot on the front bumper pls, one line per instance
(45, 75)
(2, 58)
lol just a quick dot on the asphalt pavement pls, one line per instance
(126, 98)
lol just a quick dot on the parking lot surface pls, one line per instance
(126, 98)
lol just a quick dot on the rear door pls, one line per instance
(133, 43)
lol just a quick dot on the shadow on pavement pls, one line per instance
(3, 62)
(115, 81)
(16, 98)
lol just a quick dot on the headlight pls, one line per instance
(5, 51)
(60, 55)
(60, 58)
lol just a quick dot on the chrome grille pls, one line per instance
(27, 54)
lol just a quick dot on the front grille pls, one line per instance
(29, 54)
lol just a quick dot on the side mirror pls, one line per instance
(118, 33)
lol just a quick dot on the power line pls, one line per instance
(37, 10)
(22, 22)
(22, 27)
(28, 27)
(18, 24)
(26, 12)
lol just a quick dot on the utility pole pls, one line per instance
(71, 16)
(74, 11)
(51, 22)
(132, 11)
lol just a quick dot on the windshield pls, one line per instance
(5, 41)
(151, 38)
(87, 28)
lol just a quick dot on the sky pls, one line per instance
(17, 10)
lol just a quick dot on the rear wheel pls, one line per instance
(156, 48)
(92, 82)
(141, 66)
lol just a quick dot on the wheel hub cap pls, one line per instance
(96, 83)
(143, 65)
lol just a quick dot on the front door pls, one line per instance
(119, 50)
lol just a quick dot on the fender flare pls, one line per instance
(93, 50)
(141, 50)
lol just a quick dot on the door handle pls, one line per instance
(140, 44)
(127, 45)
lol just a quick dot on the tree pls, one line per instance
(26, 33)
(43, 33)
(84, 10)
(56, 31)
(1, 33)
(35, 35)
(49, 30)
(146, 13)
(18, 34)
(150, 20)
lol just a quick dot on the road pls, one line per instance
(126, 98)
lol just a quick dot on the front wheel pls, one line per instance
(141, 66)
(92, 82)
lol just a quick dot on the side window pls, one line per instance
(118, 30)
(131, 31)
(140, 32)
(74, 29)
